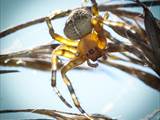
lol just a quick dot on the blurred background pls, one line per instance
(104, 90)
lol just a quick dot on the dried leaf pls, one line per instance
(153, 32)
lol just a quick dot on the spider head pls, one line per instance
(91, 47)
(78, 24)
(94, 53)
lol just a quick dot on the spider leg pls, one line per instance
(119, 24)
(94, 8)
(97, 22)
(73, 63)
(99, 31)
(68, 48)
(60, 51)
(58, 37)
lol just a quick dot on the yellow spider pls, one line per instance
(80, 46)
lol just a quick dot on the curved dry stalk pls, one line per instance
(8, 71)
(127, 5)
(128, 14)
(39, 57)
(61, 14)
(57, 14)
(137, 39)
(58, 114)
(122, 47)
(147, 78)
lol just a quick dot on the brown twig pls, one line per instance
(8, 71)
(127, 5)
(39, 57)
(58, 114)
(32, 22)
(65, 13)
(147, 78)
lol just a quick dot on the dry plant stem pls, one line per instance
(65, 13)
(58, 114)
(28, 63)
(36, 58)
(43, 64)
(39, 57)
(8, 71)
(115, 6)
(35, 63)
(51, 113)
(21, 26)
(30, 23)
(130, 59)
(43, 49)
(138, 41)
(147, 78)
(133, 60)
(121, 47)
(47, 49)
(127, 14)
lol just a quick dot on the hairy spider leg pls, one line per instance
(94, 8)
(71, 64)
(99, 31)
(97, 22)
(68, 48)
(119, 24)
(65, 51)
(59, 38)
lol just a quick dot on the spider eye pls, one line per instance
(91, 51)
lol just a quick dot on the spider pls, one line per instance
(85, 41)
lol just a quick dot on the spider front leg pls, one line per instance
(65, 51)
(95, 12)
(94, 8)
(58, 37)
(99, 31)
(119, 24)
(73, 63)
(97, 23)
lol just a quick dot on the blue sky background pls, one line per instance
(104, 90)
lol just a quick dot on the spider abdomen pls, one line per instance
(78, 24)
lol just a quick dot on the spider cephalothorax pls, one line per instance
(89, 48)
(85, 41)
